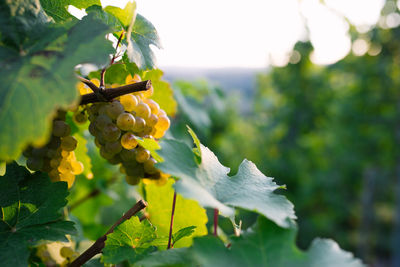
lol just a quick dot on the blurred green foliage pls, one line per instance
(330, 133)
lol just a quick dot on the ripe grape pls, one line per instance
(128, 141)
(125, 121)
(129, 102)
(163, 123)
(111, 132)
(113, 109)
(152, 120)
(154, 107)
(61, 128)
(68, 143)
(132, 180)
(113, 147)
(142, 154)
(142, 110)
(149, 167)
(101, 121)
(140, 123)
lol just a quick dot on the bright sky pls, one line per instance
(251, 33)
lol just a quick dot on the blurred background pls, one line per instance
(307, 90)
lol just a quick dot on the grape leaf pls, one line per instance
(163, 93)
(125, 15)
(160, 198)
(57, 9)
(130, 241)
(30, 206)
(142, 36)
(265, 244)
(151, 145)
(184, 232)
(208, 183)
(34, 85)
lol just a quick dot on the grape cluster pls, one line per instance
(69, 255)
(116, 126)
(57, 157)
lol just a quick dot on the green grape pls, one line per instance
(149, 167)
(54, 143)
(61, 128)
(94, 109)
(142, 154)
(111, 132)
(139, 125)
(68, 143)
(101, 121)
(103, 109)
(128, 154)
(133, 168)
(128, 141)
(129, 102)
(132, 180)
(93, 129)
(152, 120)
(116, 159)
(153, 105)
(113, 147)
(142, 110)
(51, 153)
(80, 117)
(114, 109)
(34, 163)
(66, 252)
(54, 162)
(125, 121)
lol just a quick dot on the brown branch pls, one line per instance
(109, 94)
(172, 221)
(98, 246)
(91, 85)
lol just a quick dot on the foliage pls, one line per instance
(42, 48)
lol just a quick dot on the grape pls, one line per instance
(114, 109)
(163, 123)
(113, 147)
(39, 152)
(149, 167)
(142, 110)
(66, 252)
(60, 128)
(115, 159)
(111, 132)
(68, 143)
(105, 154)
(101, 121)
(129, 102)
(129, 79)
(158, 134)
(93, 129)
(140, 123)
(152, 120)
(128, 141)
(142, 154)
(132, 180)
(95, 81)
(161, 112)
(80, 117)
(125, 121)
(154, 107)
(77, 167)
(94, 109)
(128, 155)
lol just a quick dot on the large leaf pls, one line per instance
(163, 93)
(34, 85)
(264, 245)
(57, 9)
(160, 198)
(125, 15)
(30, 206)
(208, 182)
(130, 241)
(142, 36)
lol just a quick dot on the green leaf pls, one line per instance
(184, 232)
(142, 36)
(208, 183)
(130, 241)
(33, 86)
(196, 141)
(151, 145)
(163, 93)
(57, 9)
(159, 199)
(81, 153)
(116, 74)
(30, 206)
(125, 15)
(21, 20)
(265, 244)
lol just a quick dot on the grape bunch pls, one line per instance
(116, 126)
(57, 157)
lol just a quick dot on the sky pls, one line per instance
(252, 33)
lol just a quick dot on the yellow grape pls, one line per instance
(77, 167)
(152, 120)
(154, 106)
(142, 154)
(161, 112)
(128, 141)
(163, 123)
(68, 177)
(142, 110)
(158, 134)
(149, 167)
(125, 121)
(139, 125)
(129, 79)
(149, 92)
(129, 102)
(95, 81)
(83, 88)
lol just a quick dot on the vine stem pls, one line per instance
(98, 246)
(103, 71)
(172, 221)
(216, 211)
(109, 94)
